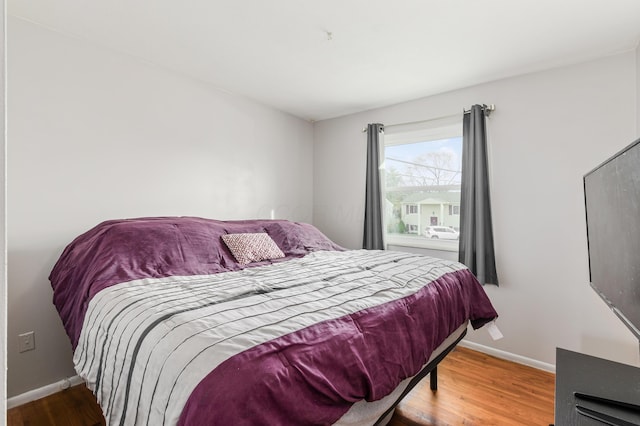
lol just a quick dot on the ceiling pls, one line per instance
(327, 58)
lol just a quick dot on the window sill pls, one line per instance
(421, 242)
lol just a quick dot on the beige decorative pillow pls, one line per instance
(247, 248)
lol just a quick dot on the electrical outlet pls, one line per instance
(26, 341)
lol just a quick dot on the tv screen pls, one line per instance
(612, 203)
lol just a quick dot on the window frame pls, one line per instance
(429, 131)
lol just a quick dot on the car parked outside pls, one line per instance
(441, 232)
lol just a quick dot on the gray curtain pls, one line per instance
(373, 235)
(476, 233)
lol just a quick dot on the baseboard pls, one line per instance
(47, 390)
(551, 368)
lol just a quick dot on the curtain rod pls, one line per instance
(488, 109)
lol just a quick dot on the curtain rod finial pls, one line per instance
(488, 109)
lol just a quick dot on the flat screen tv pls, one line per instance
(612, 204)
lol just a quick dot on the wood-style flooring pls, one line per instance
(473, 389)
(479, 389)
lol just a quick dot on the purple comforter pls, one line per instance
(123, 250)
(314, 375)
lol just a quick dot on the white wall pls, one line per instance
(549, 129)
(3, 245)
(638, 90)
(98, 135)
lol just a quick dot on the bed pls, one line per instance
(192, 321)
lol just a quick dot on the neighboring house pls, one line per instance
(423, 209)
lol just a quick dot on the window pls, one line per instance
(411, 209)
(422, 174)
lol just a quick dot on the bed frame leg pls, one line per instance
(433, 379)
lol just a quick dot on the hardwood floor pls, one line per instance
(478, 389)
(473, 389)
(75, 406)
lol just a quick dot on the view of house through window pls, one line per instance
(422, 173)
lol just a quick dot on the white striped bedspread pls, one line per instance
(296, 342)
